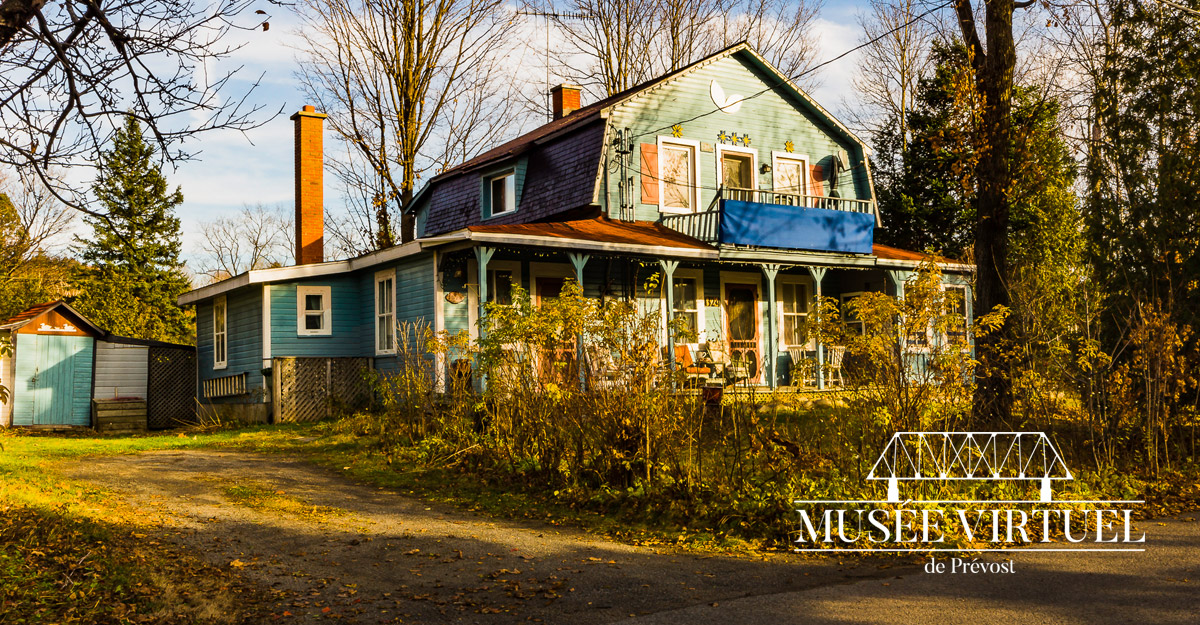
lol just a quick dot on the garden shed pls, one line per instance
(60, 362)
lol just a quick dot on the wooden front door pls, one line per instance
(555, 364)
(741, 317)
(548, 288)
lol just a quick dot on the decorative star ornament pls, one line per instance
(746, 140)
(789, 146)
(677, 131)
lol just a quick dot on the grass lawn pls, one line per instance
(70, 553)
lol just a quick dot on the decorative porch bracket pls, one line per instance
(578, 261)
(669, 267)
(771, 271)
(818, 274)
(482, 256)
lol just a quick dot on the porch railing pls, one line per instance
(706, 225)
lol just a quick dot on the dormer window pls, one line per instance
(502, 193)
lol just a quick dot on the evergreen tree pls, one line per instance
(1141, 212)
(133, 273)
(927, 190)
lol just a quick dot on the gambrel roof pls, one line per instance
(558, 161)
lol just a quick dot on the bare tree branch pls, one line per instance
(410, 86)
(258, 237)
(70, 71)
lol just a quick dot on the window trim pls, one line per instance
(326, 313)
(513, 266)
(946, 286)
(843, 298)
(694, 146)
(507, 172)
(723, 148)
(381, 277)
(777, 156)
(701, 328)
(223, 303)
(807, 283)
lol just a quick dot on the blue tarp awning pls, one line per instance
(795, 227)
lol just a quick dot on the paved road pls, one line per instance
(369, 555)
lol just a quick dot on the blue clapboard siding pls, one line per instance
(346, 319)
(771, 119)
(414, 304)
(244, 327)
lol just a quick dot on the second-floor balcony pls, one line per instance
(756, 218)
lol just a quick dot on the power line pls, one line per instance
(810, 70)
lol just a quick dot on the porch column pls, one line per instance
(669, 267)
(772, 324)
(482, 256)
(898, 278)
(818, 274)
(578, 261)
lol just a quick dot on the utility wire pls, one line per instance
(810, 70)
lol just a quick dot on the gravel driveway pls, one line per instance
(369, 555)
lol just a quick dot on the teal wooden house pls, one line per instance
(744, 194)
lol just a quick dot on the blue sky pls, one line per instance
(235, 169)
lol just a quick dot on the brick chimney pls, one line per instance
(565, 100)
(310, 188)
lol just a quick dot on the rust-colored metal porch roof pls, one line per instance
(601, 230)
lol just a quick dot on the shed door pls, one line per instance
(56, 375)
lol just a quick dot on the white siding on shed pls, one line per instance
(121, 370)
(6, 380)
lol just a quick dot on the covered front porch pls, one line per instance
(740, 313)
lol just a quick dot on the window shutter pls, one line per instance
(816, 176)
(649, 173)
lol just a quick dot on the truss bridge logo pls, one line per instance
(1015, 462)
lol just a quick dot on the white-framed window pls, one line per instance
(502, 193)
(687, 301)
(793, 301)
(385, 312)
(956, 304)
(848, 316)
(789, 174)
(679, 175)
(737, 171)
(220, 333)
(313, 314)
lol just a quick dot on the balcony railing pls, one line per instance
(783, 220)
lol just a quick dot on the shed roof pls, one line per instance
(28, 315)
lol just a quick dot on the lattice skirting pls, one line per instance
(310, 389)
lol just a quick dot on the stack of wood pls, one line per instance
(120, 415)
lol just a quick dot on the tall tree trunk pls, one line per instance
(994, 81)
